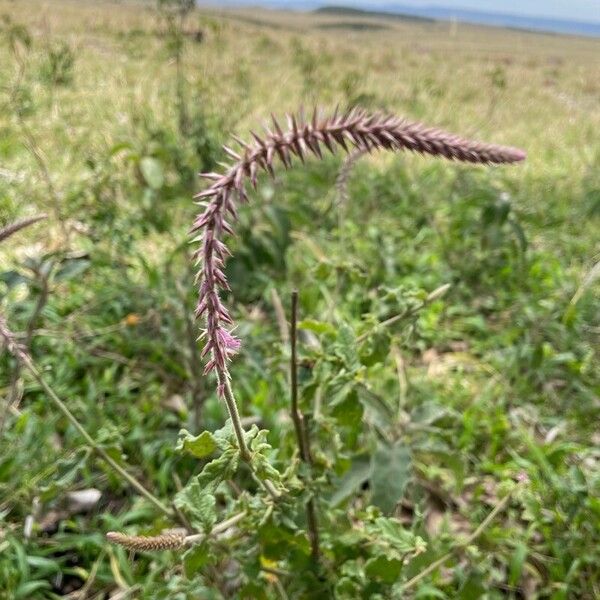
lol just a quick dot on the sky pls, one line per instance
(578, 10)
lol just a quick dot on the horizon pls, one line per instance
(583, 11)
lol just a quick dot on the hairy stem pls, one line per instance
(238, 429)
(234, 414)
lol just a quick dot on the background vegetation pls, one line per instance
(108, 113)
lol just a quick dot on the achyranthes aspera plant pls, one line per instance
(287, 495)
(279, 530)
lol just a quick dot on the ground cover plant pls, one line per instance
(430, 391)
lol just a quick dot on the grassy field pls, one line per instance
(465, 429)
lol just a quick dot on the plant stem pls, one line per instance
(218, 528)
(297, 417)
(234, 414)
(6, 232)
(301, 430)
(238, 428)
(92, 443)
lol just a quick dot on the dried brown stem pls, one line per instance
(297, 416)
(301, 429)
(9, 230)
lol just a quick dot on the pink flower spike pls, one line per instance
(231, 343)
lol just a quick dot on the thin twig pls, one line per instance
(301, 430)
(401, 374)
(218, 528)
(297, 416)
(341, 182)
(16, 393)
(9, 230)
(82, 593)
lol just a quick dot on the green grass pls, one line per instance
(495, 381)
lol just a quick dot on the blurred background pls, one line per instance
(109, 112)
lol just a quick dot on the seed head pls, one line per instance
(354, 131)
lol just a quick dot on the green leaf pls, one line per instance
(72, 269)
(316, 326)
(428, 413)
(396, 536)
(516, 564)
(199, 504)
(358, 473)
(200, 446)
(383, 568)
(429, 592)
(346, 347)
(224, 436)
(152, 172)
(472, 589)
(119, 147)
(26, 590)
(12, 278)
(42, 565)
(219, 469)
(390, 468)
(347, 408)
(257, 440)
(194, 559)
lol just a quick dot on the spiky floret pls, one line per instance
(353, 129)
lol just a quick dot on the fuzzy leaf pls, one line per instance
(200, 446)
(391, 532)
(194, 559)
(383, 568)
(358, 473)
(260, 448)
(390, 467)
(199, 503)
(316, 326)
(219, 469)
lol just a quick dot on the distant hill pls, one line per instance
(346, 11)
(431, 13)
(500, 19)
